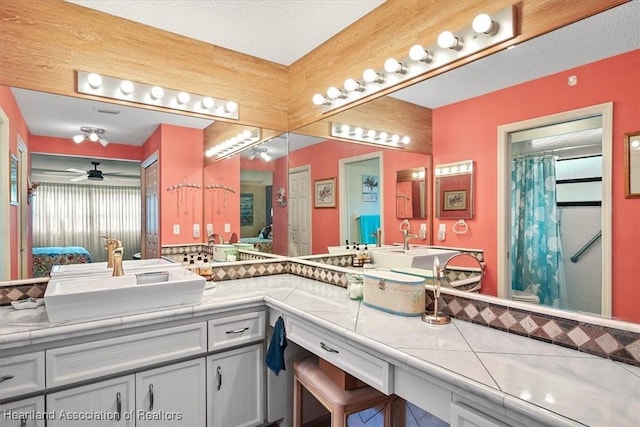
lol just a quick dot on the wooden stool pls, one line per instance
(340, 403)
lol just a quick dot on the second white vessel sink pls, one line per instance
(73, 299)
(100, 268)
(414, 258)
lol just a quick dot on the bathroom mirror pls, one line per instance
(632, 165)
(454, 190)
(411, 193)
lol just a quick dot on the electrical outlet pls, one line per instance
(176, 228)
(196, 231)
(422, 233)
(227, 228)
(442, 232)
(209, 229)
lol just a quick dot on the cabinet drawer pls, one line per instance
(368, 368)
(236, 330)
(21, 374)
(80, 362)
(23, 413)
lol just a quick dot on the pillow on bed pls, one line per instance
(265, 232)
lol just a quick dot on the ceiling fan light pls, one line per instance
(93, 137)
(78, 139)
(265, 156)
(103, 142)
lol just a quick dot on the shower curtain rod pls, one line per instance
(554, 150)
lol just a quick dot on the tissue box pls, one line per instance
(395, 293)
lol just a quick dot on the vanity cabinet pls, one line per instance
(18, 414)
(102, 404)
(21, 374)
(235, 387)
(465, 416)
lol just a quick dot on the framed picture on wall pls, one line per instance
(325, 193)
(370, 188)
(246, 209)
(455, 200)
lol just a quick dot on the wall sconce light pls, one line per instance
(235, 144)
(449, 47)
(370, 136)
(92, 134)
(127, 90)
(458, 168)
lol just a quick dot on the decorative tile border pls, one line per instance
(243, 270)
(18, 292)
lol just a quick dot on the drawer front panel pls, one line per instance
(237, 330)
(362, 365)
(80, 362)
(21, 413)
(21, 374)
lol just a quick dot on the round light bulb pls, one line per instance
(635, 144)
(351, 85)
(78, 139)
(405, 140)
(207, 102)
(157, 92)
(358, 131)
(246, 134)
(183, 98)
(231, 107)
(395, 138)
(318, 99)
(418, 53)
(392, 65)
(447, 40)
(334, 93)
(383, 136)
(126, 87)
(94, 80)
(371, 76)
(482, 24)
(371, 133)
(345, 128)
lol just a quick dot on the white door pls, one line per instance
(172, 395)
(299, 212)
(151, 215)
(18, 414)
(235, 387)
(113, 401)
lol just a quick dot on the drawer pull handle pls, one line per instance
(238, 331)
(381, 284)
(5, 378)
(327, 348)
(150, 397)
(118, 406)
(23, 422)
(219, 377)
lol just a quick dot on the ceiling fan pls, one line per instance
(92, 174)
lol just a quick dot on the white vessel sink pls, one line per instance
(100, 268)
(414, 258)
(72, 299)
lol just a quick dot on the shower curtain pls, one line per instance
(536, 252)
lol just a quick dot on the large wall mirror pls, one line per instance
(411, 193)
(632, 164)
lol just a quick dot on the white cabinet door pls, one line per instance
(235, 387)
(106, 403)
(172, 395)
(465, 416)
(23, 413)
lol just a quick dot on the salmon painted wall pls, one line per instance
(66, 147)
(468, 130)
(325, 223)
(17, 126)
(180, 163)
(222, 206)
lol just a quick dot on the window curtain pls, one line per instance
(77, 215)
(536, 251)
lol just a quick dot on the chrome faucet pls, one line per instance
(406, 237)
(378, 236)
(118, 252)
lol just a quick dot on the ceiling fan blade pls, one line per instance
(103, 142)
(78, 178)
(75, 170)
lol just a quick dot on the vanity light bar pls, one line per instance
(126, 90)
(457, 168)
(370, 136)
(235, 144)
(489, 30)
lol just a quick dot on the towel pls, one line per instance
(368, 226)
(275, 353)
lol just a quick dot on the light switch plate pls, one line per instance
(196, 231)
(176, 228)
(442, 232)
(227, 228)
(209, 229)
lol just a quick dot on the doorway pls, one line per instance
(5, 221)
(150, 212)
(299, 211)
(510, 138)
(361, 198)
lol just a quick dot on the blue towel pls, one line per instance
(368, 226)
(275, 353)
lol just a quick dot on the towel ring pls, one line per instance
(460, 227)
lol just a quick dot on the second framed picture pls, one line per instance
(325, 193)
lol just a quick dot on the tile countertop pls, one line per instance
(560, 386)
